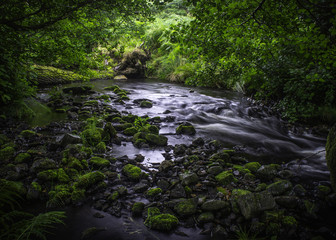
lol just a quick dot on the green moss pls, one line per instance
(129, 118)
(130, 131)
(114, 196)
(206, 217)
(28, 134)
(104, 97)
(91, 137)
(3, 139)
(289, 221)
(324, 190)
(75, 163)
(261, 187)
(91, 103)
(60, 110)
(187, 190)
(146, 104)
(48, 175)
(223, 190)
(153, 192)
(186, 207)
(60, 196)
(161, 222)
(239, 192)
(111, 88)
(157, 140)
(151, 129)
(77, 195)
(225, 178)
(109, 132)
(117, 120)
(89, 179)
(132, 172)
(98, 162)
(185, 129)
(124, 98)
(22, 158)
(139, 142)
(62, 176)
(36, 186)
(252, 166)
(241, 169)
(6, 154)
(101, 147)
(138, 208)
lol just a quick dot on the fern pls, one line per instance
(9, 193)
(39, 226)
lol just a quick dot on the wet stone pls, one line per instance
(188, 178)
(178, 192)
(140, 187)
(215, 170)
(290, 202)
(214, 205)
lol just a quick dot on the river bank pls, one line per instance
(212, 161)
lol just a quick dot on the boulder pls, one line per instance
(214, 205)
(253, 204)
(279, 187)
(70, 139)
(188, 178)
(186, 207)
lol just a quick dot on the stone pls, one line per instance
(22, 158)
(43, 164)
(331, 155)
(28, 134)
(132, 172)
(138, 208)
(290, 202)
(214, 205)
(157, 140)
(215, 170)
(130, 131)
(225, 178)
(178, 192)
(6, 154)
(163, 184)
(154, 192)
(98, 162)
(186, 207)
(206, 217)
(268, 172)
(252, 166)
(78, 90)
(166, 165)
(140, 187)
(198, 142)
(185, 129)
(146, 104)
(179, 149)
(279, 187)
(252, 204)
(89, 179)
(188, 178)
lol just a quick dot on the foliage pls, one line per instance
(22, 225)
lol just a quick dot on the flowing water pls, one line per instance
(222, 115)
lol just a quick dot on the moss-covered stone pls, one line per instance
(109, 132)
(62, 176)
(98, 162)
(48, 175)
(186, 207)
(114, 196)
(185, 129)
(331, 155)
(239, 192)
(111, 88)
(6, 154)
(140, 142)
(157, 140)
(91, 103)
(323, 190)
(146, 104)
(132, 172)
(59, 196)
(104, 97)
(75, 163)
(28, 134)
(91, 137)
(268, 172)
(151, 193)
(130, 131)
(161, 222)
(206, 217)
(289, 221)
(77, 195)
(138, 208)
(279, 187)
(101, 147)
(261, 187)
(225, 178)
(60, 110)
(89, 179)
(252, 166)
(241, 169)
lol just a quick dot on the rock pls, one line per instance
(179, 149)
(178, 192)
(188, 178)
(198, 142)
(166, 165)
(215, 170)
(206, 217)
(139, 158)
(163, 184)
(186, 129)
(43, 164)
(268, 172)
(157, 140)
(130, 131)
(6, 154)
(109, 132)
(70, 139)
(161, 222)
(186, 207)
(290, 202)
(252, 166)
(132, 172)
(138, 208)
(89, 179)
(34, 191)
(253, 204)
(22, 158)
(146, 104)
(140, 187)
(214, 205)
(120, 77)
(100, 147)
(280, 187)
(91, 137)
(98, 162)
(299, 190)
(28, 134)
(154, 192)
(331, 155)
(225, 178)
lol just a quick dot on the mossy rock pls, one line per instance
(104, 97)
(113, 196)
(252, 166)
(186, 207)
(75, 163)
(91, 137)
(146, 104)
(3, 139)
(140, 142)
(132, 172)
(138, 208)
(129, 118)
(162, 222)
(157, 140)
(59, 196)
(241, 169)
(151, 193)
(109, 132)
(91, 103)
(28, 134)
(6, 154)
(101, 147)
(150, 129)
(111, 88)
(60, 110)
(331, 155)
(77, 195)
(47, 175)
(89, 179)
(62, 176)
(98, 162)
(279, 187)
(239, 192)
(206, 217)
(185, 129)
(130, 131)
(225, 178)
